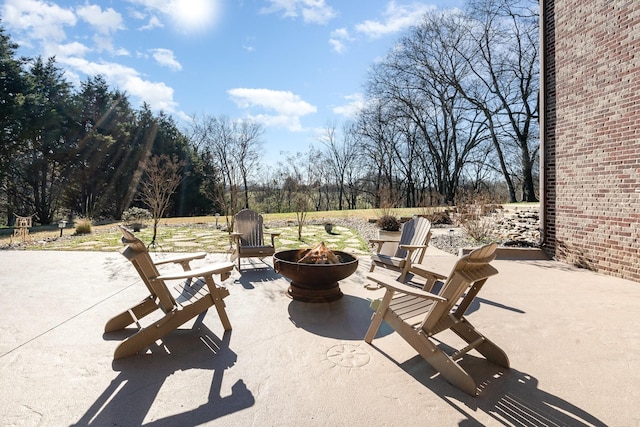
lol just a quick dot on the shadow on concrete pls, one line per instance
(475, 306)
(347, 318)
(509, 396)
(129, 397)
(256, 273)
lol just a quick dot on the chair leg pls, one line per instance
(487, 348)
(222, 314)
(434, 356)
(171, 321)
(125, 319)
(378, 317)
(403, 275)
(217, 295)
(447, 367)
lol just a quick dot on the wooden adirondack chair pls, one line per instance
(418, 316)
(248, 236)
(193, 296)
(414, 240)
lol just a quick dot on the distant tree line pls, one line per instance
(452, 108)
(81, 152)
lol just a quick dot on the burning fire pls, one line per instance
(320, 254)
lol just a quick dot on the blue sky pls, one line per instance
(293, 65)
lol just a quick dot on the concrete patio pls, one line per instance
(571, 336)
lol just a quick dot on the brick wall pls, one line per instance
(591, 150)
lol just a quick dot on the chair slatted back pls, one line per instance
(136, 252)
(416, 231)
(467, 276)
(249, 224)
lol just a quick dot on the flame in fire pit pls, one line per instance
(319, 254)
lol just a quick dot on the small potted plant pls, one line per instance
(389, 231)
(136, 218)
(388, 223)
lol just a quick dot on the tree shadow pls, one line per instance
(131, 394)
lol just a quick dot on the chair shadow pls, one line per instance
(347, 318)
(261, 273)
(509, 396)
(131, 394)
(475, 304)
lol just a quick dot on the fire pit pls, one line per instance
(314, 273)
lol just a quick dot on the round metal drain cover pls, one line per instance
(348, 355)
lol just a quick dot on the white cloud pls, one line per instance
(66, 50)
(187, 16)
(338, 38)
(105, 21)
(396, 18)
(355, 103)
(41, 20)
(338, 45)
(287, 107)
(157, 94)
(248, 46)
(154, 22)
(166, 58)
(314, 11)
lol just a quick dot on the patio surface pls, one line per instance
(571, 336)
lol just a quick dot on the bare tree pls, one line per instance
(377, 134)
(504, 58)
(432, 118)
(162, 178)
(340, 155)
(247, 147)
(233, 147)
(299, 184)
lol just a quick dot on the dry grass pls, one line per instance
(200, 232)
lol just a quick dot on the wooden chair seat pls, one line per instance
(414, 240)
(418, 315)
(194, 295)
(248, 236)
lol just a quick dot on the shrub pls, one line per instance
(440, 218)
(135, 214)
(475, 215)
(479, 229)
(83, 226)
(388, 223)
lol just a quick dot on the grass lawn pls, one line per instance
(194, 234)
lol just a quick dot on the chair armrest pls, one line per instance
(421, 270)
(182, 259)
(235, 237)
(382, 241)
(394, 285)
(413, 247)
(219, 268)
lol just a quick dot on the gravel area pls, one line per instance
(369, 230)
(519, 229)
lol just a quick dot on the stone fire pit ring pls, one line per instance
(314, 282)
